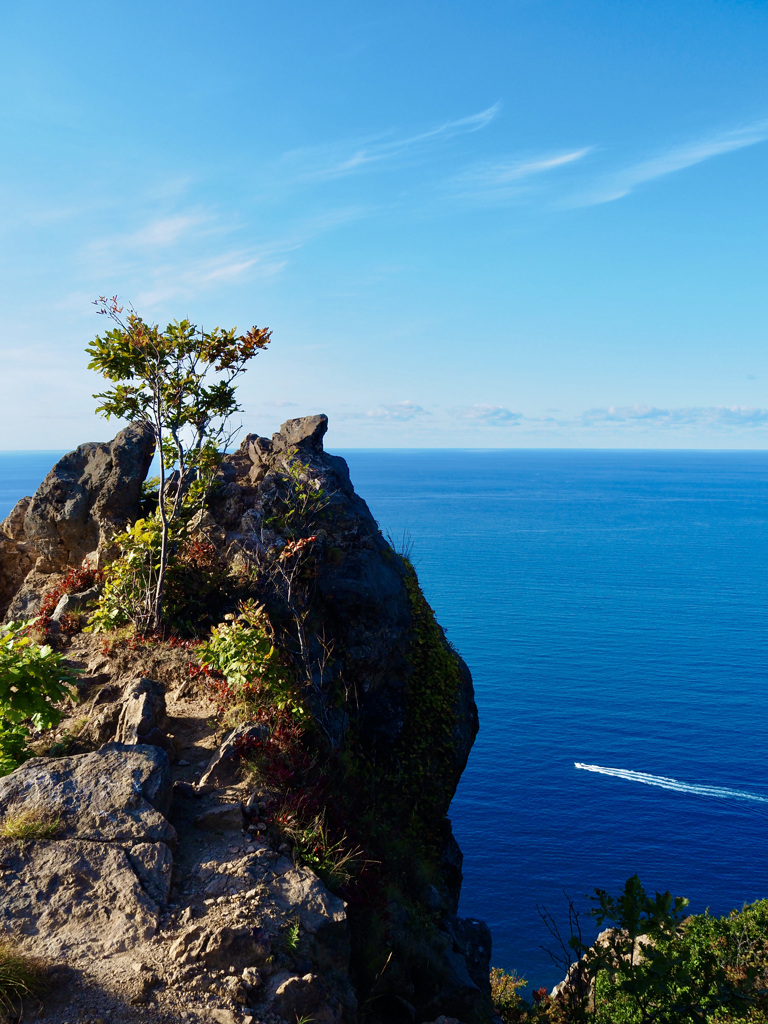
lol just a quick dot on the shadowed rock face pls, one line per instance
(362, 597)
(90, 495)
(406, 707)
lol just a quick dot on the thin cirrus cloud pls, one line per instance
(675, 158)
(638, 416)
(176, 256)
(502, 179)
(328, 162)
(493, 415)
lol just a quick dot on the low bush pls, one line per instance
(251, 672)
(504, 994)
(654, 967)
(192, 587)
(33, 678)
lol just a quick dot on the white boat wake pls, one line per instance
(665, 783)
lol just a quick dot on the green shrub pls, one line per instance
(504, 995)
(32, 680)
(130, 581)
(300, 505)
(243, 650)
(193, 579)
(653, 967)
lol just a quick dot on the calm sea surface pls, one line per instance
(612, 608)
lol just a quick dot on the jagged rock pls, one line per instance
(69, 603)
(90, 495)
(102, 725)
(152, 863)
(251, 978)
(17, 557)
(225, 763)
(217, 948)
(143, 715)
(307, 432)
(366, 610)
(316, 908)
(220, 1015)
(26, 601)
(117, 794)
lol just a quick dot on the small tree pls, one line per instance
(180, 381)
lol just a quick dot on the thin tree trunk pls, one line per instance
(157, 610)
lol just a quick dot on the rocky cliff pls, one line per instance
(175, 884)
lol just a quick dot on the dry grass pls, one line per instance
(20, 975)
(33, 822)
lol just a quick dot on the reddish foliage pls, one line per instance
(293, 547)
(74, 582)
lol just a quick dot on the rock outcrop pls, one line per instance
(98, 885)
(392, 707)
(90, 495)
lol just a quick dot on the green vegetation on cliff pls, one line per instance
(653, 966)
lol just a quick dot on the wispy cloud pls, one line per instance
(501, 179)
(675, 158)
(720, 416)
(493, 415)
(336, 161)
(181, 254)
(173, 280)
(163, 232)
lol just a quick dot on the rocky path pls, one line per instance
(157, 899)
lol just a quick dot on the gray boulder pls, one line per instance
(74, 897)
(117, 794)
(90, 495)
(97, 886)
(143, 715)
(225, 763)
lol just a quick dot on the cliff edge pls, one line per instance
(194, 893)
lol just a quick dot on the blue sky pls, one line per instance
(529, 223)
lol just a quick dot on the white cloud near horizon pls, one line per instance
(720, 416)
(493, 415)
(397, 412)
(675, 158)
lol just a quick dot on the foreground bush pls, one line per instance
(33, 679)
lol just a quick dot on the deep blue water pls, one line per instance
(612, 608)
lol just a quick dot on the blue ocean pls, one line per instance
(612, 606)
